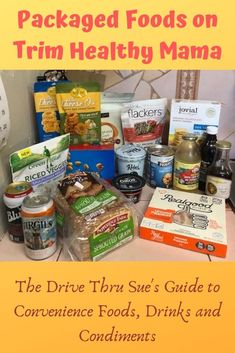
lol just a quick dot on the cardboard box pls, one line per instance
(192, 116)
(96, 159)
(186, 220)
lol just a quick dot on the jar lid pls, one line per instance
(130, 151)
(224, 145)
(212, 130)
(190, 137)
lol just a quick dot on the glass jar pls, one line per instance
(219, 175)
(187, 164)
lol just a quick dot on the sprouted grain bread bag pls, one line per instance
(79, 108)
(93, 217)
(43, 164)
(143, 121)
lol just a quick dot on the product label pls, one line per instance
(40, 236)
(186, 175)
(219, 187)
(15, 229)
(159, 171)
(203, 170)
(87, 204)
(114, 232)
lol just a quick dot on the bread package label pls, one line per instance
(47, 115)
(191, 116)
(186, 220)
(79, 108)
(96, 220)
(41, 164)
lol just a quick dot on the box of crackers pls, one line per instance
(192, 116)
(186, 220)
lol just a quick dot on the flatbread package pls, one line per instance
(93, 217)
(79, 108)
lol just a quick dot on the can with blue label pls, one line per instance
(160, 160)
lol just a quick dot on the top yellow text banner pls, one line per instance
(117, 34)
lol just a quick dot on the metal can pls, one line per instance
(160, 160)
(39, 226)
(13, 199)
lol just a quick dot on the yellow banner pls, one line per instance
(117, 307)
(117, 34)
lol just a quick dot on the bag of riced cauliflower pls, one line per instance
(43, 164)
(143, 121)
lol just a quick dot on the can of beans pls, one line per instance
(13, 198)
(39, 226)
(160, 161)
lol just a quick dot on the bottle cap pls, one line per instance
(224, 145)
(212, 130)
(189, 137)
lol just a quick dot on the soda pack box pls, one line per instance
(96, 159)
(186, 220)
(192, 116)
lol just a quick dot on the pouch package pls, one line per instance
(79, 108)
(143, 121)
(47, 115)
(41, 164)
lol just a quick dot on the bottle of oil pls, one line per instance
(208, 150)
(187, 164)
(219, 175)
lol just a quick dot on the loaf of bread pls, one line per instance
(96, 217)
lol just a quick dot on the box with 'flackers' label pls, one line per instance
(192, 116)
(186, 220)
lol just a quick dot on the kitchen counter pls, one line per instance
(136, 250)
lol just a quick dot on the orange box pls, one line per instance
(186, 220)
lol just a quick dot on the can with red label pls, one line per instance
(39, 225)
(13, 198)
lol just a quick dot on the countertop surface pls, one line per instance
(136, 250)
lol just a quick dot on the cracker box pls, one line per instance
(96, 159)
(191, 116)
(186, 220)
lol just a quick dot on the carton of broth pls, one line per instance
(185, 220)
(192, 116)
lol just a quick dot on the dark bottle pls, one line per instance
(207, 154)
(219, 174)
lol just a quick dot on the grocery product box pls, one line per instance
(186, 220)
(191, 116)
(96, 159)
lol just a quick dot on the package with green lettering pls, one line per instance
(93, 217)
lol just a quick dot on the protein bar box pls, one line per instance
(192, 116)
(186, 220)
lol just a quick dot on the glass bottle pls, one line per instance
(207, 154)
(219, 174)
(187, 164)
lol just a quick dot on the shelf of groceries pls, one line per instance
(95, 149)
(136, 250)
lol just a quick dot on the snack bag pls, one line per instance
(143, 121)
(79, 108)
(47, 115)
(41, 164)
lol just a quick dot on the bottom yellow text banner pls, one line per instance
(117, 307)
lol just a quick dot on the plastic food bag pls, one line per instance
(93, 217)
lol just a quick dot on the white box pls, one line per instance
(192, 116)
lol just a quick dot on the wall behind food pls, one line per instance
(18, 86)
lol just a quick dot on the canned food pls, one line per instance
(130, 158)
(39, 226)
(13, 199)
(160, 160)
